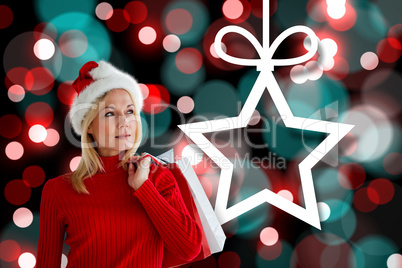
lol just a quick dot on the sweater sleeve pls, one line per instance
(51, 230)
(165, 206)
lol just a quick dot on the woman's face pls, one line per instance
(114, 128)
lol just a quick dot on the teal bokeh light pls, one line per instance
(177, 82)
(308, 98)
(200, 18)
(158, 124)
(216, 98)
(99, 43)
(327, 185)
(46, 10)
(282, 261)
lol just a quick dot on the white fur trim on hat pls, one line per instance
(106, 77)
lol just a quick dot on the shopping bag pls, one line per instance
(199, 207)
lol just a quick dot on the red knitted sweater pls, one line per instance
(115, 226)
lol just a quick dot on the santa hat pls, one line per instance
(95, 80)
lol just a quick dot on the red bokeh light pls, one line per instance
(188, 60)
(17, 192)
(137, 11)
(229, 259)
(179, 21)
(39, 81)
(52, 137)
(236, 11)
(157, 100)
(6, 17)
(33, 176)
(9, 250)
(66, 93)
(346, 22)
(386, 50)
(119, 21)
(351, 176)
(317, 10)
(380, 191)
(16, 76)
(362, 201)
(39, 113)
(269, 253)
(14, 126)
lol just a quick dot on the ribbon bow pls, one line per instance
(266, 62)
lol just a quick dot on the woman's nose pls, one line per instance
(123, 121)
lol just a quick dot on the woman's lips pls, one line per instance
(123, 136)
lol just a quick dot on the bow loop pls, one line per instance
(266, 62)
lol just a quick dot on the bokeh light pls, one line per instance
(66, 93)
(189, 60)
(52, 137)
(39, 113)
(44, 49)
(387, 52)
(22, 217)
(362, 201)
(299, 74)
(369, 61)
(269, 236)
(171, 43)
(345, 17)
(147, 35)
(73, 43)
(286, 194)
(380, 191)
(394, 261)
(9, 250)
(74, 163)
(119, 21)
(14, 150)
(179, 21)
(229, 259)
(232, 9)
(16, 93)
(7, 16)
(17, 192)
(104, 11)
(27, 260)
(193, 154)
(157, 100)
(351, 175)
(37, 133)
(324, 211)
(185, 104)
(391, 163)
(33, 176)
(137, 11)
(39, 81)
(64, 261)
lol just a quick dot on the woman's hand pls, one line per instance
(138, 177)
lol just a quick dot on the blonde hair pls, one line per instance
(90, 163)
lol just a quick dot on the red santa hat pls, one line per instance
(95, 80)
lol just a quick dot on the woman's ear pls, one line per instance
(90, 129)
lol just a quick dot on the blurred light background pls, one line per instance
(167, 45)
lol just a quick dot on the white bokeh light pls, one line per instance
(26, 260)
(44, 49)
(37, 133)
(299, 74)
(324, 211)
(193, 153)
(336, 12)
(22, 217)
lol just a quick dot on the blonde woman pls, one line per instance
(114, 213)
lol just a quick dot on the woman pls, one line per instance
(114, 214)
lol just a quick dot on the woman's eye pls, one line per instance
(130, 111)
(109, 114)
